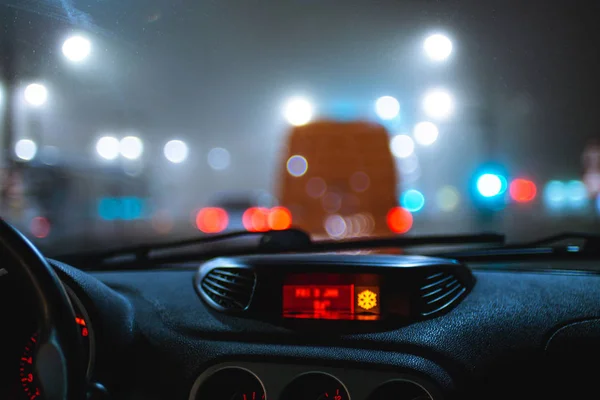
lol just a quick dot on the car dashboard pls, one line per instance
(516, 333)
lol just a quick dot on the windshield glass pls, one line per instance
(147, 120)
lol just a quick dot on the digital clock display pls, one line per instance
(332, 296)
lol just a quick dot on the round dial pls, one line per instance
(315, 386)
(400, 390)
(231, 383)
(29, 383)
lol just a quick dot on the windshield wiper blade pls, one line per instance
(290, 240)
(564, 245)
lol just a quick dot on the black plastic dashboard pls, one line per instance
(517, 335)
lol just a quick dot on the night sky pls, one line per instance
(524, 76)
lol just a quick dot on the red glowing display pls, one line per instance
(331, 296)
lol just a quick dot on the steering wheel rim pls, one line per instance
(59, 365)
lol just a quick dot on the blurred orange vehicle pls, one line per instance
(339, 180)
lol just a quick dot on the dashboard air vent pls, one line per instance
(229, 288)
(439, 290)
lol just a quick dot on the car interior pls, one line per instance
(306, 201)
(284, 321)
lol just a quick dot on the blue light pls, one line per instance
(577, 195)
(120, 208)
(490, 185)
(555, 194)
(108, 208)
(131, 208)
(412, 200)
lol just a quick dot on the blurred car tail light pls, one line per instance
(212, 220)
(256, 219)
(522, 190)
(280, 218)
(399, 220)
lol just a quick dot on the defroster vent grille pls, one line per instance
(229, 288)
(439, 291)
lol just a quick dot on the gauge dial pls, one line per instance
(231, 383)
(27, 378)
(315, 386)
(401, 390)
(27, 362)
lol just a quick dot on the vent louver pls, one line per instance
(439, 291)
(229, 288)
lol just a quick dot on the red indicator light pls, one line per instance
(212, 220)
(399, 220)
(522, 190)
(316, 301)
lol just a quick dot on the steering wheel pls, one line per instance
(59, 366)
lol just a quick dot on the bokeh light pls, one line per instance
(256, 219)
(360, 181)
(399, 220)
(402, 146)
(162, 221)
(40, 227)
(131, 147)
(107, 147)
(212, 220)
(489, 185)
(176, 151)
(76, 48)
(297, 165)
(218, 159)
(447, 198)
(331, 202)
(577, 195)
(280, 218)
(387, 107)
(316, 187)
(555, 194)
(438, 104)
(438, 47)
(25, 149)
(298, 111)
(412, 200)
(522, 190)
(425, 133)
(335, 226)
(36, 94)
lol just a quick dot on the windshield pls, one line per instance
(146, 120)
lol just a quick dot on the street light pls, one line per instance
(387, 107)
(298, 111)
(176, 151)
(36, 94)
(402, 146)
(438, 47)
(131, 147)
(438, 104)
(76, 48)
(218, 158)
(107, 147)
(425, 133)
(25, 149)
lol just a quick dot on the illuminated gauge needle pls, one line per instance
(330, 396)
(248, 396)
